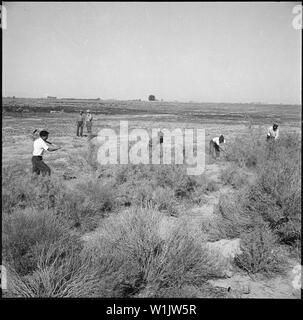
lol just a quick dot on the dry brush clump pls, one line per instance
(260, 253)
(43, 257)
(82, 205)
(246, 150)
(234, 176)
(84, 160)
(233, 218)
(259, 243)
(133, 260)
(160, 186)
(275, 196)
(269, 208)
(71, 277)
(147, 195)
(23, 190)
(173, 176)
(88, 202)
(252, 150)
(163, 187)
(27, 233)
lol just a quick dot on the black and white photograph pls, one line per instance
(151, 150)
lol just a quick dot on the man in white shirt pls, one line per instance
(40, 145)
(214, 146)
(273, 133)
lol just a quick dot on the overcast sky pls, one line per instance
(208, 52)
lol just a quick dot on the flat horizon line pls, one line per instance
(143, 100)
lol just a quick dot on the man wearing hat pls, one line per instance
(273, 133)
(40, 145)
(89, 120)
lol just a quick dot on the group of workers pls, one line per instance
(215, 148)
(83, 119)
(41, 144)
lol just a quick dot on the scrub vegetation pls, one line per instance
(130, 230)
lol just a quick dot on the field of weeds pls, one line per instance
(151, 230)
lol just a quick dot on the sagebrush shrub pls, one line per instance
(163, 199)
(25, 190)
(28, 233)
(259, 252)
(70, 276)
(88, 202)
(246, 149)
(233, 218)
(84, 160)
(141, 185)
(234, 176)
(130, 242)
(275, 195)
(43, 256)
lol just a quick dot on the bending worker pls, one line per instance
(40, 145)
(214, 146)
(273, 132)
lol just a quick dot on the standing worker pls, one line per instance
(214, 146)
(89, 120)
(80, 123)
(273, 133)
(40, 145)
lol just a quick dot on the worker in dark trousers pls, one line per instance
(271, 138)
(80, 123)
(40, 145)
(214, 146)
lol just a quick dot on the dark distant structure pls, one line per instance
(151, 98)
(50, 97)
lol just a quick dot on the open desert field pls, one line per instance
(185, 184)
(229, 119)
(152, 230)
